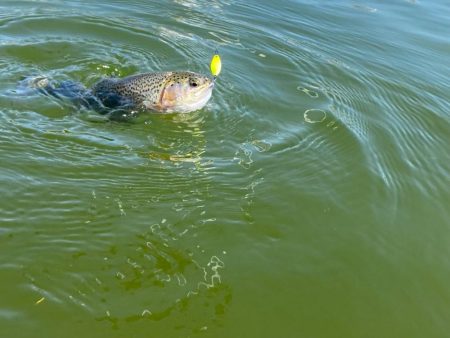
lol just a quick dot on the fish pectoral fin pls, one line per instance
(153, 106)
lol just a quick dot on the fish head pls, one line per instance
(184, 92)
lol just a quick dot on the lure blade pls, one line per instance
(216, 64)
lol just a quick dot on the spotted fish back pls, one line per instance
(132, 90)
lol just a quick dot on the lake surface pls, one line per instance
(309, 198)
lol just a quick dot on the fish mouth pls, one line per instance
(205, 89)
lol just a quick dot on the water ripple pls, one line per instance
(322, 147)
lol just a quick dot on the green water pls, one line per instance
(309, 198)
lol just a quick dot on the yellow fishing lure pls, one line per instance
(216, 64)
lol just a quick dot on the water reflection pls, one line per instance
(185, 143)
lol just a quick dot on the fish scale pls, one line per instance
(135, 88)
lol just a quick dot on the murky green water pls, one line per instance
(310, 198)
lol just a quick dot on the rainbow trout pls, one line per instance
(162, 92)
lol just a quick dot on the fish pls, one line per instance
(162, 92)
